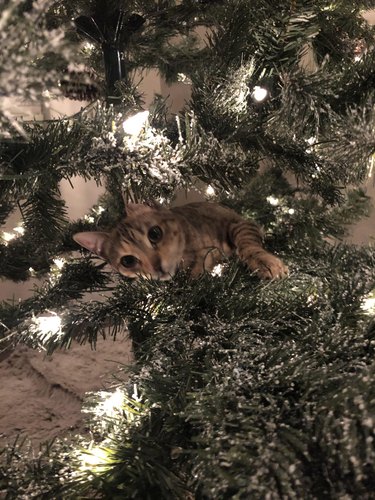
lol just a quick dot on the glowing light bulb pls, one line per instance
(217, 270)
(8, 236)
(89, 218)
(111, 403)
(259, 93)
(89, 46)
(272, 201)
(210, 191)
(19, 229)
(95, 457)
(134, 124)
(368, 305)
(181, 77)
(59, 263)
(48, 325)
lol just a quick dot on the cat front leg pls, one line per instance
(247, 239)
(264, 264)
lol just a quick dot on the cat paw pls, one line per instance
(268, 266)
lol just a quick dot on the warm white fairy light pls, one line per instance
(94, 457)
(56, 270)
(259, 93)
(7, 237)
(59, 263)
(99, 210)
(217, 270)
(210, 191)
(273, 201)
(134, 124)
(47, 326)
(110, 403)
(89, 218)
(89, 46)
(291, 211)
(181, 77)
(368, 303)
(19, 229)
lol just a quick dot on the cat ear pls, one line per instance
(138, 209)
(92, 241)
(131, 208)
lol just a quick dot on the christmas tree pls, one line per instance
(240, 388)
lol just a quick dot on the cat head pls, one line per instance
(147, 242)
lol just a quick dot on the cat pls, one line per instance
(155, 242)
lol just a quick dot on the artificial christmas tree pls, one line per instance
(240, 388)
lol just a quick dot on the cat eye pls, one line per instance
(155, 234)
(128, 261)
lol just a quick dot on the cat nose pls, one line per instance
(161, 273)
(158, 268)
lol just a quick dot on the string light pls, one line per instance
(217, 270)
(94, 457)
(210, 191)
(59, 263)
(19, 230)
(273, 201)
(110, 403)
(89, 46)
(181, 77)
(259, 93)
(134, 124)
(56, 270)
(99, 210)
(368, 303)
(46, 327)
(89, 218)
(7, 237)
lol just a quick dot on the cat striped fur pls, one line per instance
(155, 242)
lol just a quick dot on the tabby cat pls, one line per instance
(156, 242)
